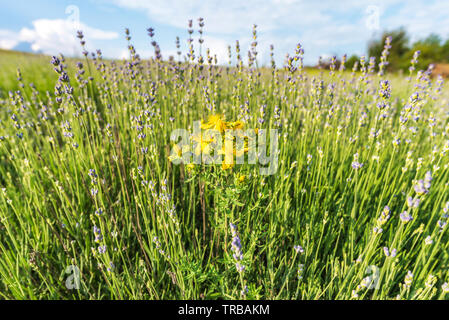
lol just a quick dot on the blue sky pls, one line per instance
(324, 28)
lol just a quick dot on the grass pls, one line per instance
(329, 224)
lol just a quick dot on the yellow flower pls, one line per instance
(241, 178)
(235, 125)
(226, 166)
(175, 154)
(190, 167)
(215, 122)
(201, 145)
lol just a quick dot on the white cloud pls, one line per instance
(282, 23)
(8, 39)
(320, 26)
(54, 36)
(217, 46)
(420, 21)
(230, 16)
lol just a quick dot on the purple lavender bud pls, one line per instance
(420, 187)
(239, 267)
(428, 179)
(393, 253)
(102, 249)
(79, 34)
(413, 203)
(381, 105)
(405, 217)
(55, 61)
(111, 267)
(59, 69)
(356, 165)
(298, 249)
(385, 89)
(64, 77)
(441, 224)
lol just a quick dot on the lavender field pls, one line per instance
(347, 199)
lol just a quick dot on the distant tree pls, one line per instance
(399, 47)
(430, 49)
(445, 51)
(350, 62)
(325, 63)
